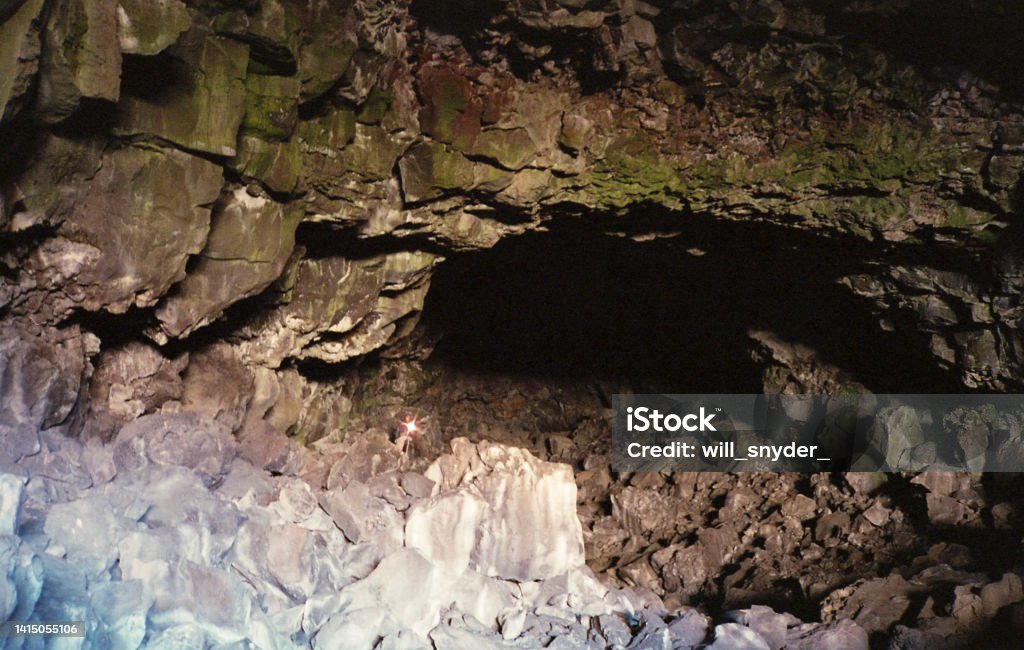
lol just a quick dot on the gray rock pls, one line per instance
(11, 489)
(842, 635)
(183, 439)
(40, 373)
(130, 380)
(614, 630)
(9, 559)
(122, 607)
(296, 500)
(733, 636)
(363, 517)
(388, 590)
(688, 628)
(770, 625)
(85, 528)
(417, 485)
(179, 637)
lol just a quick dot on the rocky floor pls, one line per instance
(900, 555)
(497, 523)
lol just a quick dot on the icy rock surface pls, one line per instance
(168, 538)
(499, 511)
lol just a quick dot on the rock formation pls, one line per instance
(220, 222)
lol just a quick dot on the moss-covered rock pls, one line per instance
(512, 149)
(372, 153)
(323, 60)
(429, 169)
(148, 27)
(201, 102)
(271, 106)
(451, 110)
(632, 172)
(272, 30)
(275, 164)
(376, 105)
(329, 133)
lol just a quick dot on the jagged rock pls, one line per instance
(81, 57)
(142, 216)
(431, 168)
(451, 111)
(250, 241)
(364, 518)
(275, 164)
(512, 149)
(271, 107)
(202, 104)
(488, 495)
(801, 507)
(842, 635)
(874, 605)
(40, 375)
(129, 381)
(688, 628)
(328, 295)
(217, 385)
(19, 54)
(733, 636)
(181, 439)
(298, 503)
(121, 608)
(771, 626)
(148, 27)
(11, 488)
(906, 638)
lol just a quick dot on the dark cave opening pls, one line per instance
(670, 314)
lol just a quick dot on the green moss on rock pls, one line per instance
(202, 108)
(271, 106)
(451, 111)
(322, 62)
(376, 105)
(277, 165)
(512, 149)
(429, 169)
(330, 132)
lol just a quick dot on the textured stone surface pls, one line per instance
(251, 238)
(19, 55)
(130, 236)
(489, 496)
(202, 106)
(148, 27)
(40, 378)
(81, 57)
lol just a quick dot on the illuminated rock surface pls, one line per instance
(241, 242)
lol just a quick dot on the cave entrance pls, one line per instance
(584, 299)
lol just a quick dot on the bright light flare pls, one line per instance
(409, 427)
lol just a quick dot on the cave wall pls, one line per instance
(196, 198)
